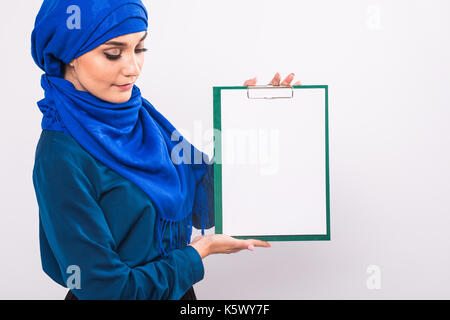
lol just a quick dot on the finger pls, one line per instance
(298, 83)
(276, 80)
(240, 244)
(244, 244)
(259, 243)
(250, 82)
(288, 80)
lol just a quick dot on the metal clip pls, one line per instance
(270, 87)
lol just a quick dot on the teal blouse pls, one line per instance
(101, 228)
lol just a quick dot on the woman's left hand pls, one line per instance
(275, 81)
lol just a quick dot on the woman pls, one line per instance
(115, 211)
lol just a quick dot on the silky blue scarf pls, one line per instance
(132, 138)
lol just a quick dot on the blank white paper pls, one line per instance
(273, 163)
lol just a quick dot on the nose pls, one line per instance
(131, 67)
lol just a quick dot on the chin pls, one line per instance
(122, 100)
(118, 98)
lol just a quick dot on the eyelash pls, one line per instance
(115, 57)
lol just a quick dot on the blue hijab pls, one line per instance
(131, 138)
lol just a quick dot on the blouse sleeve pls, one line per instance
(78, 235)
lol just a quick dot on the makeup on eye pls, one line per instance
(119, 44)
(117, 56)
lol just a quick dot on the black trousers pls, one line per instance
(189, 295)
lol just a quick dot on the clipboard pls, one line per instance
(271, 162)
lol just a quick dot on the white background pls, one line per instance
(386, 64)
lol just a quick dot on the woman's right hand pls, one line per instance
(221, 243)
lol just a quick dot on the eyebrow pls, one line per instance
(122, 44)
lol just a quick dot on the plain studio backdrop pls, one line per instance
(386, 65)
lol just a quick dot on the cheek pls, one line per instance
(98, 73)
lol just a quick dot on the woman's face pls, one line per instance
(102, 70)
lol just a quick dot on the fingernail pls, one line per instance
(251, 247)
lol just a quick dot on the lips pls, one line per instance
(125, 86)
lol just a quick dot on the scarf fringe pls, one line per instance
(176, 241)
(203, 207)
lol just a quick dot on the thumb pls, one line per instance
(198, 237)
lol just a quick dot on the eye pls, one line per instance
(117, 56)
(113, 56)
(141, 50)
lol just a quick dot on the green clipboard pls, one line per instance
(271, 162)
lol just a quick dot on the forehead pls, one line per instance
(130, 36)
(127, 38)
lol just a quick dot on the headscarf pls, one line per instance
(131, 138)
